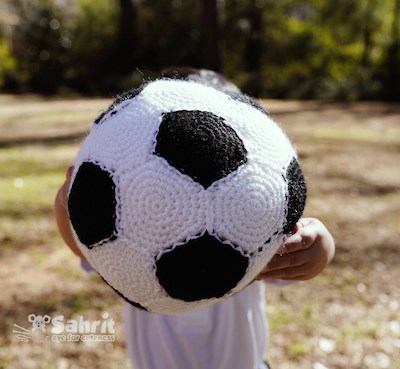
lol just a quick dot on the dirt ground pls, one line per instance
(346, 318)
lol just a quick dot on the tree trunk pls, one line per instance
(254, 52)
(211, 35)
(127, 42)
(393, 57)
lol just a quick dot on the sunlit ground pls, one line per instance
(348, 317)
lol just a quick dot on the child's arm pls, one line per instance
(61, 214)
(305, 254)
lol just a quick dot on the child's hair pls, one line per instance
(204, 76)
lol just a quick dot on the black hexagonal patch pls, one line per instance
(91, 205)
(199, 144)
(297, 195)
(200, 269)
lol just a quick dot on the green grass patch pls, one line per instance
(30, 178)
(304, 318)
(279, 317)
(296, 349)
(22, 196)
(66, 271)
(29, 160)
(39, 257)
(353, 134)
(62, 116)
(48, 119)
(80, 303)
(346, 280)
(363, 329)
(49, 305)
(28, 231)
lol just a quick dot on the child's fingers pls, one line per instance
(295, 266)
(62, 195)
(281, 267)
(290, 273)
(287, 261)
(67, 182)
(69, 174)
(296, 242)
(307, 232)
(305, 254)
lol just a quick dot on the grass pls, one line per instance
(39, 274)
(346, 318)
(354, 134)
(29, 193)
(30, 178)
(365, 329)
(30, 160)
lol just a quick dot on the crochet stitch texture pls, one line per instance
(181, 193)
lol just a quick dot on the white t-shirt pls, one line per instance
(230, 334)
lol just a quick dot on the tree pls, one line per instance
(126, 53)
(255, 50)
(211, 35)
(283, 49)
(391, 64)
(39, 51)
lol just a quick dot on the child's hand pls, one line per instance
(62, 195)
(61, 214)
(305, 254)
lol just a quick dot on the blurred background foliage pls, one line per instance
(309, 49)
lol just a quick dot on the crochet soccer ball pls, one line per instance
(181, 193)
